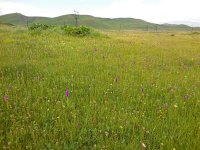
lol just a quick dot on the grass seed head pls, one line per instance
(144, 146)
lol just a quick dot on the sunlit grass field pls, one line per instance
(122, 90)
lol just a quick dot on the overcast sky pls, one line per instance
(158, 11)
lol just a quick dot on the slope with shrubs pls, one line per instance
(95, 22)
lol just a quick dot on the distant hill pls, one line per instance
(189, 23)
(95, 22)
(6, 24)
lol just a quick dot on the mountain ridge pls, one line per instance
(92, 21)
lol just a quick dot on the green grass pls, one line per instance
(127, 90)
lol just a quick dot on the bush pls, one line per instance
(77, 31)
(195, 33)
(38, 26)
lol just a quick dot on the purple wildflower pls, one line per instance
(186, 97)
(6, 98)
(67, 93)
(10, 87)
(165, 106)
(142, 90)
(116, 79)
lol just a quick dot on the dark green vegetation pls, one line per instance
(95, 22)
(39, 26)
(129, 91)
(77, 31)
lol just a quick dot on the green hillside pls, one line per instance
(95, 22)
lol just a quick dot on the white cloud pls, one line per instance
(11, 6)
(7, 7)
(180, 10)
(160, 12)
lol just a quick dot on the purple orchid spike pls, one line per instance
(116, 79)
(6, 98)
(67, 93)
(10, 87)
(142, 90)
(165, 106)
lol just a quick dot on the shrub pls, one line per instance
(77, 31)
(38, 26)
(195, 33)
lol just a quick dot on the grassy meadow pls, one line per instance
(118, 90)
